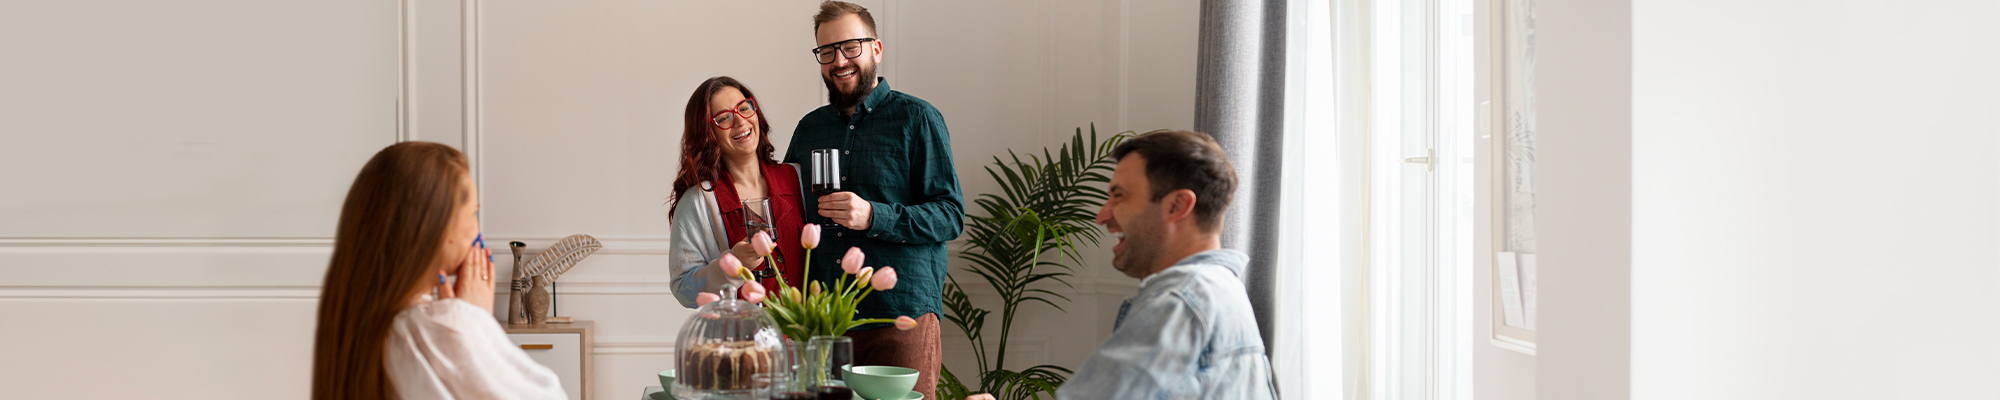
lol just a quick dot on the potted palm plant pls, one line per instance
(1047, 204)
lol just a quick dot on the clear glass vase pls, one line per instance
(822, 359)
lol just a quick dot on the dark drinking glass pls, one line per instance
(824, 166)
(835, 393)
(795, 396)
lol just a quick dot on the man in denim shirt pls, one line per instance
(1189, 333)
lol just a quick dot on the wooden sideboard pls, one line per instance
(564, 348)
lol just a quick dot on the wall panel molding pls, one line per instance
(634, 344)
(403, 45)
(469, 133)
(615, 285)
(612, 244)
(160, 293)
(221, 244)
(1124, 66)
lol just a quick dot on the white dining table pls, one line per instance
(658, 393)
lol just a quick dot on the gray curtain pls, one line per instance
(1239, 99)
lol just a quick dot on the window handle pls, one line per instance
(1426, 160)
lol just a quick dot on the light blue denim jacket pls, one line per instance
(1188, 334)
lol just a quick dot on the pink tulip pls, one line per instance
(752, 292)
(852, 261)
(761, 244)
(809, 236)
(730, 264)
(863, 275)
(884, 279)
(705, 297)
(905, 323)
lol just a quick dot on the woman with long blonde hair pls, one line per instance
(409, 222)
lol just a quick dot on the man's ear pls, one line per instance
(1180, 205)
(878, 50)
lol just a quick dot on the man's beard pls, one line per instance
(1141, 250)
(864, 82)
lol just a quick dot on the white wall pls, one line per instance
(1497, 373)
(581, 106)
(1583, 190)
(172, 176)
(1801, 205)
(1815, 200)
(191, 159)
(1583, 187)
(582, 121)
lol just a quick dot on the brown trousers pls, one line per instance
(919, 348)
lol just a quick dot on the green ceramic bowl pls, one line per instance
(881, 382)
(667, 380)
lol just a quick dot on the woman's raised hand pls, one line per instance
(475, 280)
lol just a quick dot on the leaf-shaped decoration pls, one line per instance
(559, 258)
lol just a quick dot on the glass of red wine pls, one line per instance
(824, 165)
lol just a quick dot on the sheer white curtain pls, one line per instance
(1378, 171)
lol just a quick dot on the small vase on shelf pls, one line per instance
(537, 301)
(517, 309)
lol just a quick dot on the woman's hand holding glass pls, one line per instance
(746, 253)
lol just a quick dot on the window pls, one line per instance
(1381, 165)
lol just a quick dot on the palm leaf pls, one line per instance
(949, 387)
(1023, 240)
(559, 258)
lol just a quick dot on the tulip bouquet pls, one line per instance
(818, 310)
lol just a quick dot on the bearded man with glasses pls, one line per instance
(899, 200)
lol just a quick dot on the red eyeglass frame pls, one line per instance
(732, 110)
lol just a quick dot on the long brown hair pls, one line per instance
(701, 156)
(384, 252)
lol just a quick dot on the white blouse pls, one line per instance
(451, 349)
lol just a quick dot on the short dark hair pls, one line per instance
(832, 10)
(1189, 160)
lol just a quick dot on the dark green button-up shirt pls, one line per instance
(895, 153)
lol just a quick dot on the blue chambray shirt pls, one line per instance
(1188, 334)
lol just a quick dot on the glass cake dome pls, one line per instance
(722, 346)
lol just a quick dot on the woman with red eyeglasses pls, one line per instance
(729, 189)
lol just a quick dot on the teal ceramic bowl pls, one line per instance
(881, 382)
(667, 380)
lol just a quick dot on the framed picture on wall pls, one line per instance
(1512, 36)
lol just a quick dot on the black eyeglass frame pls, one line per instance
(836, 49)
